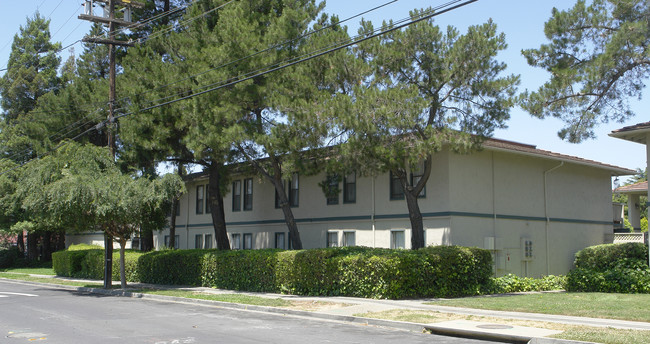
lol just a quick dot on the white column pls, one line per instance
(633, 213)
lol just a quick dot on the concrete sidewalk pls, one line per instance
(351, 309)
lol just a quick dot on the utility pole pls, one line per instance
(112, 22)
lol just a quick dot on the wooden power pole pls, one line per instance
(112, 22)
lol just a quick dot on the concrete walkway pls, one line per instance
(351, 309)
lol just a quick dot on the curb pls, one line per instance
(399, 325)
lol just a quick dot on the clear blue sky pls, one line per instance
(521, 20)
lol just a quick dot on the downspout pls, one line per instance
(372, 216)
(548, 220)
(187, 222)
(494, 218)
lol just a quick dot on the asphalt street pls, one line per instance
(53, 315)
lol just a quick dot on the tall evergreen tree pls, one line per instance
(597, 59)
(424, 90)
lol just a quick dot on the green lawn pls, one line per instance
(233, 298)
(36, 271)
(634, 307)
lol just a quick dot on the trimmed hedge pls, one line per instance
(440, 271)
(609, 256)
(611, 268)
(89, 263)
(8, 256)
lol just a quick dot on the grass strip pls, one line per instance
(632, 307)
(571, 332)
(232, 298)
(28, 278)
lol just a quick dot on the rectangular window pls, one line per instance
(236, 241)
(397, 239)
(236, 195)
(248, 194)
(396, 189)
(248, 241)
(350, 188)
(199, 199)
(349, 239)
(208, 241)
(416, 174)
(198, 241)
(208, 209)
(332, 193)
(332, 239)
(176, 239)
(293, 190)
(279, 240)
(289, 242)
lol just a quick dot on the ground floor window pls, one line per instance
(279, 240)
(332, 239)
(235, 243)
(349, 238)
(397, 239)
(176, 239)
(208, 241)
(198, 241)
(248, 241)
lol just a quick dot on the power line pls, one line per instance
(365, 38)
(435, 12)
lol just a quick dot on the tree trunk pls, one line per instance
(108, 261)
(60, 241)
(47, 246)
(294, 234)
(172, 225)
(172, 217)
(21, 243)
(146, 240)
(32, 246)
(415, 216)
(215, 202)
(122, 263)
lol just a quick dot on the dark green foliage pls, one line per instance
(68, 263)
(442, 271)
(513, 284)
(611, 268)
(8, 256)
(605, 257)
(172, 267)
(89, 263)
(241, 270)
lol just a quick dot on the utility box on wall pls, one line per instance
(527, 250)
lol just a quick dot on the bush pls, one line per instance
(171, 267)
(241, 270)
(615, 280)
(610, 256)
(513, 284)
(81, 262)
(611, 268)
(8, 256)
(83, 247)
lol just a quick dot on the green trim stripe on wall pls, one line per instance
(406, 216)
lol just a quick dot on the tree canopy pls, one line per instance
(598, 60)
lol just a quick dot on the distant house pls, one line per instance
(534, 209)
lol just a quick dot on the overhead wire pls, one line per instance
(401, 24)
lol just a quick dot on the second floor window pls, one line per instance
(248, 194)
(396, 189)
(293, 190)
(199, 199)
(350, 188)
(332, 189)
(236, 195)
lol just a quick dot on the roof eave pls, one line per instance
(614, 171)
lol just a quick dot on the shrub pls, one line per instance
(615, 280)
(89, 263)
(609, 256)
(512, 284)
(171, 267)
(241, 270)
(83, 247)
(8, 256)
(68, 263)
